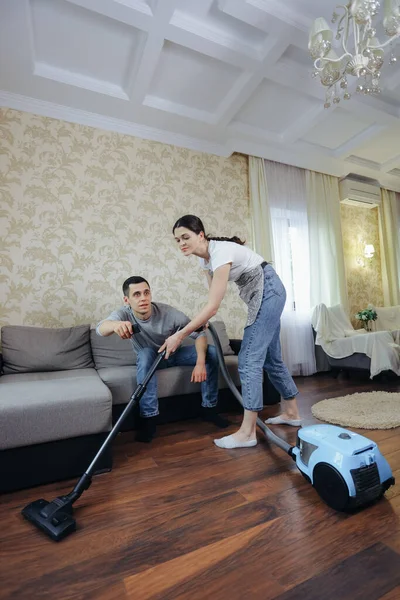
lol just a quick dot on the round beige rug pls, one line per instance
(363, 410)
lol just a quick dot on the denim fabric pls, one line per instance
(261, 347)
(184, 356)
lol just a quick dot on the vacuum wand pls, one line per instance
(266, 431)
(55, 518)
(134, 399)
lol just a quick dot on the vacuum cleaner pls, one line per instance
(346, 469)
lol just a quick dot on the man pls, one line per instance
(157, 321)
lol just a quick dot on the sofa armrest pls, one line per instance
(1, 364)
(235, 344)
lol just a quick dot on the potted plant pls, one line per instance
(366, 317)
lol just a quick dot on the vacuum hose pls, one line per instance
(266, 431)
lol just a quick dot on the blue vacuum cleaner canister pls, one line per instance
(347, 469)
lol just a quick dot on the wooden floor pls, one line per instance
(182, 519)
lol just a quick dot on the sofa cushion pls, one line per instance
(27, 349)
(44, 407)
(173, 381)
(111, 351)
(220, 328)
(121, 381)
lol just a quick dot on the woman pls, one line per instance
(227, 259)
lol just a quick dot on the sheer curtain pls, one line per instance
(327, 269)
(260, 211)
(286, 196)
(389, 246)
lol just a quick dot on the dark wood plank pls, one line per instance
(367, 575)
(116, 591)
(296, 546)
(208, 563)
(181, 518)
(394, 594)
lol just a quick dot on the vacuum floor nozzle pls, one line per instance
(50, 519)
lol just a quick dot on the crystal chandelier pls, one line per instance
(363, 54)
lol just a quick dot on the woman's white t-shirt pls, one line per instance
(221, 253)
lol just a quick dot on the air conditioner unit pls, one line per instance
(360, 192)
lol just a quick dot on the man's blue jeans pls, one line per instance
(261, 347)
(184, 356)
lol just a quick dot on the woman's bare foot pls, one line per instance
(237, 440)
(245, 437)
(242, 437)
(290, 411)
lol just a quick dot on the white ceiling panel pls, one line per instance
(144, 6)
(297, 56)
(336, 129)
(215, 75)
(208, 14)
(194, 7)
(274, 108)
(382, 148)
(237, 30)
(69, 38)
(191, 79)
(312, 8)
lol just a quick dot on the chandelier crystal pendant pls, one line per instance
(363, 54)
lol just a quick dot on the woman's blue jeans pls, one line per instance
(184, 356)
(261, 347)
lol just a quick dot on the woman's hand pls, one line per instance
(199, 373)
(172, 343)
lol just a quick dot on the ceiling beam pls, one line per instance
(248, 83)
(142, 76)
(134, 15)
(211, 42)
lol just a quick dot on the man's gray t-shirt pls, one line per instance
(163, 322)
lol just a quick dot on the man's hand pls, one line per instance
(199, 373)
(123, 329)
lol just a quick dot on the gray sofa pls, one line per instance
(62, 389)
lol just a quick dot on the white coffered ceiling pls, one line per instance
(214, 75)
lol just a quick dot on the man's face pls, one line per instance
(139, 299)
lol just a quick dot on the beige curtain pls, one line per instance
(389, 246)
(260, 210)
(327, 268)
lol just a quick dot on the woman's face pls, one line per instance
(188, 241)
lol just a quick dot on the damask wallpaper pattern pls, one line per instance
(81, 209)
(360, 226)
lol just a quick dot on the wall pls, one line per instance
(82, 209)
(364, 283)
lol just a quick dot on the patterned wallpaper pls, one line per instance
(81, 209)
(360, 226)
